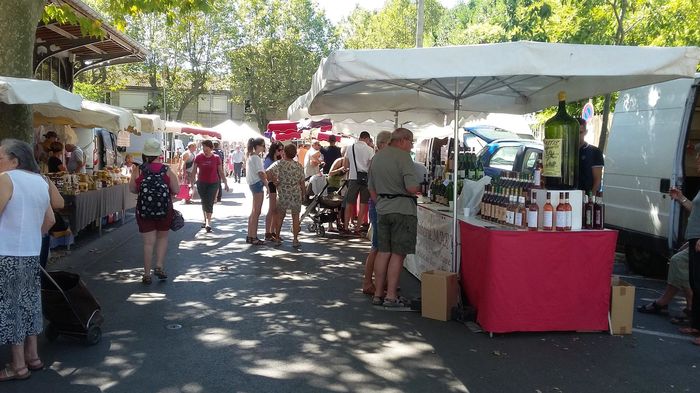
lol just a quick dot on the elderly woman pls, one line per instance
(25, 213)
(209, 172)
(274, 153)
(153, 225)
(289, 175)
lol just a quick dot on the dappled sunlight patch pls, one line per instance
(121, 276)
(334, 304)
(287, 369)
(218, 338)
(196, 244)
(378, 326)
(382, 361)
(192, 309)
(145, 298)
(296, 276)
(330, 334)
(258, 301)
(191, 387)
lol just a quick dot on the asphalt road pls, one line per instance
(238, 318)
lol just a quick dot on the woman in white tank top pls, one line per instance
(25, 214)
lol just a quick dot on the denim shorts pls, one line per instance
(373, 220)
(256, 188)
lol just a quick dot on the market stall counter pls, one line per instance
(535, 280)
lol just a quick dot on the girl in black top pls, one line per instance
(55, 152)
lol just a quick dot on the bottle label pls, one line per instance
(569, 218)
(552, 158)
(532, 219)
(547, 219)
(518, 219)
(561, 219)
(538, 177)
(510, 217)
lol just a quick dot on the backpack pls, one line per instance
(153, 201)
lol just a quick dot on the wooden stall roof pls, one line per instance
(85, 53)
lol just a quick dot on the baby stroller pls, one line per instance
(70, 308)
(322, 208)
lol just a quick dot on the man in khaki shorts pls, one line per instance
(677, 279)
(393, 185)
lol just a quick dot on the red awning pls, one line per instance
(282, 125)
(201, 131)
(286, 136)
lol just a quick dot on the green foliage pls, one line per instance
(394, 26)
(279, 47)
(63, 14)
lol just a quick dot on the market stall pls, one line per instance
(536, 281)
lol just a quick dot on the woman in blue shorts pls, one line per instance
(257, 181)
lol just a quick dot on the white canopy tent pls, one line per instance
(91, 114)
(236, 132)
(150, 123)
(513, 77)
(31, 92)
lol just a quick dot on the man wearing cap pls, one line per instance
(330, 154)
(590, 163)
(76, 162)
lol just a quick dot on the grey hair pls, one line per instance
(401, 133)
(21, 151)
(383, 137)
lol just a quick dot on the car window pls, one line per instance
(529, 160)
(504, 158)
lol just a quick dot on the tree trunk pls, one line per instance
(18, 21)
(604, 130)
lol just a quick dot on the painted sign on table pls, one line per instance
(433, 243)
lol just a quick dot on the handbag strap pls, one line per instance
(355, 160)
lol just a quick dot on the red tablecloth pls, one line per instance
(537, 281)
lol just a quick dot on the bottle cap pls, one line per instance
(562, 96)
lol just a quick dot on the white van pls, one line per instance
(650, 149)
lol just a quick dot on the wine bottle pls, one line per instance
(537, 182)
(569, 211)
(560, 214)
(548, 214)
(598, 211)
(588, 212)
(560, 163)
(521, 213)
(532, 213)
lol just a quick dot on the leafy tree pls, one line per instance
(18, 22)
(279, 47)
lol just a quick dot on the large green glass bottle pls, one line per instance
(561, 136)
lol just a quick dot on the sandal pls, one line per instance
(10, 374)
(255, 241)
(369, 290)
(160, 273)
(680, 320)
(146, 280)
(377, 301)
(296, 244)
(269, 236)
(653, 308)
(208, 229)
(35, 364)
(689, 331)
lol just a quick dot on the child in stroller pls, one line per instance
(321, 207)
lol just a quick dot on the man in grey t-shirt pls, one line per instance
(393, 184)
(76, 162)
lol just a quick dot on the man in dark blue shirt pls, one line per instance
(590, 164)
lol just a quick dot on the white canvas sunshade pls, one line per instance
(92, 114)
(512, 77)
(236, 132)
(150, 123)
(31, 91)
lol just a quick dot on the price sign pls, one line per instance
(587, 112)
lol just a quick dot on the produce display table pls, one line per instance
(536, 281)
(90, 206)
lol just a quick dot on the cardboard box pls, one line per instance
(439, 294)
(621, 307)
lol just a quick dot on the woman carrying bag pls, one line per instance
(155, 183)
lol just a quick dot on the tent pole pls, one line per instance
(455, 142)
(396, 119)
